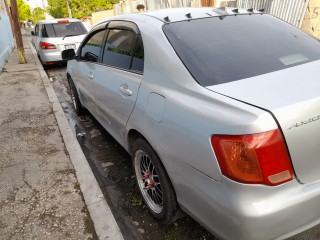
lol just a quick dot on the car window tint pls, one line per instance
(138, 56)
(36, 30)
(220, 50)
(63, 29)
(44, 32)
(91, 49)
(118, 48)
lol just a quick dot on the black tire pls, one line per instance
(75, 98)
(160, 198)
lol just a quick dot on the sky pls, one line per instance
(37, 3)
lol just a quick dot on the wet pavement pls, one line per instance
(112, 168)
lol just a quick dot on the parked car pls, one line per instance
(219, 109)
(51, 37)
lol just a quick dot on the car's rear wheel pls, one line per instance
(154, 183)
(75, 98)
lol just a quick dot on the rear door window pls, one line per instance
(138, 56)
(63, 29)
(124, 49)
(118, 48)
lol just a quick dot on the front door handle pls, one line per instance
(90, 76)
(124, 89)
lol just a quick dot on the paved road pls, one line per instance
(112, 168)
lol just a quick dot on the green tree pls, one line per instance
(83, 8)
(37, 15)
(57, 8)
(79, 8)
(24, 10)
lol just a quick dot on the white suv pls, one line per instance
(51, 37)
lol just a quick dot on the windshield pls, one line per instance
(63, 29)
(218, 50)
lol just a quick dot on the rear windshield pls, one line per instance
(63, 29)
(236, 47)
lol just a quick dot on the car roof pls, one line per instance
(184, 14)
(56, 20)
(181, 14)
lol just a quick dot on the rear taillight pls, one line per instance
(63, 21)
(256, 158)
(45, 45)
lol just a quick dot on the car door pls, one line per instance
(87, 59)
(117, 79)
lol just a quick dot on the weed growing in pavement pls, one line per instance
(137, 202)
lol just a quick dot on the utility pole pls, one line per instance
(16, 22)
(69, 9)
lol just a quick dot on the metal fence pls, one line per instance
(159, 4)
(291, 11)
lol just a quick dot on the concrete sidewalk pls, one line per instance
(41, 197)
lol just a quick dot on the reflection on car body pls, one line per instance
(204, 100)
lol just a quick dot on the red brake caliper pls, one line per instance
(150, 185)
(146, 176)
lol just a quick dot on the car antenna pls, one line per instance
(220, 10)
(250, 10)
(236, 10)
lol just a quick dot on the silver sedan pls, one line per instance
(219, 109)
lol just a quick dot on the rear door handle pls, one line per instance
(90, 76)
(124, 89)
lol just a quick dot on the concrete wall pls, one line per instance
(6, 38)
(311, 21)
(99, 16)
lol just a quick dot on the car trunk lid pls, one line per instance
(68, 42)
(292, 96)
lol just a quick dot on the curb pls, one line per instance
(104, 222)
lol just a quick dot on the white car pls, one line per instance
(51, 37)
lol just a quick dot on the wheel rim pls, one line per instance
(148, 181)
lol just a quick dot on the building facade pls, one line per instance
(6, 36)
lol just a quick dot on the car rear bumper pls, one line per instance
(48, 56)
(250, 212)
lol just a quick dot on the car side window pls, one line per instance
(119, 47)
(44, 31)
(90, 51)
(138, 56)
(36, 30)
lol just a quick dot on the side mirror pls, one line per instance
(68, 54)
(32, 33)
